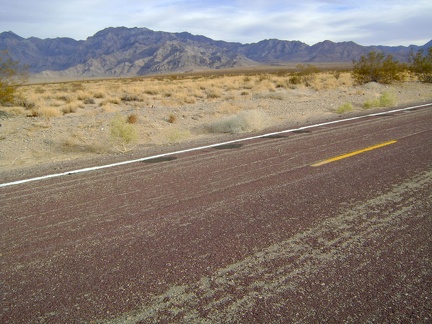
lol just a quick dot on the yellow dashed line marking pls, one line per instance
(344, 156)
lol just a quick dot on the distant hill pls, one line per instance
(125, 51)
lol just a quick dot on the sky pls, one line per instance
(366, 22)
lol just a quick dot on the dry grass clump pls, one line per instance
(245, 121)
(69, 109)
(172, 119)
(176, 135)
(228, 108)
(130, 97)
(123, 133)
(66, 98)
(78, 142)
(346, 107)
(386, 99)
(214, 93)
(132, 118)
(14, 111)
(330, 80)
(182, 97)
(49, 112)
(111, 100)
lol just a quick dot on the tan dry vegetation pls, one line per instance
(77, 116)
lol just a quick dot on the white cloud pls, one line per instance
(367, 22)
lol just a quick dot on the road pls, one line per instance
(328, 224)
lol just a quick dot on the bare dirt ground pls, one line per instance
(64, 123)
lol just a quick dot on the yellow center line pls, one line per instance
(340, 157)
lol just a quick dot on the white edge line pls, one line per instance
(202, 147)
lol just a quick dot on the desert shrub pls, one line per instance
(123, 133)
(248, 86)
(13, 111)
(386, 99)
(281, 84)
(40, 90)
(228, 108)
(307, 73)
(307, 69)
(48, 112)
(11, 76)
(346, 107)
(421, 65)
(76, 86)
(26, 104)
(245, 121)
(214, 93)
(132, 118)
(376, 67)
(189, 100)
(152, 92)
(89, 101)
(263, 77)
(67, 99)
(265, 84)
(33, 113)
(82, 142)
(69, 109)
(112, 100)
(295, 79)
(271, 95)
(176, 135)
(172, 119)
(129, 97)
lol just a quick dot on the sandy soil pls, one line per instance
(50, 144)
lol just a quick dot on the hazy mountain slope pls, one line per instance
(125, 51)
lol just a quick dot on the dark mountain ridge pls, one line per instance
(122, 51)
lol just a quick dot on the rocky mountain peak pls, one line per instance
(122, 51)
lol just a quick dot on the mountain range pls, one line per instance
(121, 51)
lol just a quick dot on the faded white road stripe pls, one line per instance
(55, 175)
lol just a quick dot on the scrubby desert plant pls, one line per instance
(295, 79)
(346, 107)
(130, 97)
(172, 119)
(11, 76)
(89, 101)
(176, 135)
(123, 134)
(421, 65)
(48, 112)
(69, 109)
(132, 118)
(214, 93)
(376, 67)
(386, 99)
(245, 121)
(14, 111)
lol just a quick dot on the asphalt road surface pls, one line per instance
(329, 224)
